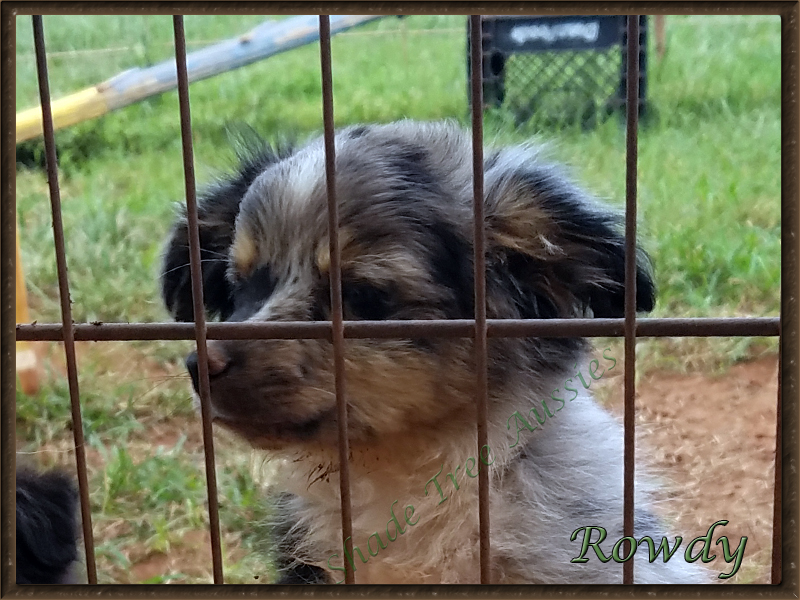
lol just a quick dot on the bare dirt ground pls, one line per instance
(712, 441)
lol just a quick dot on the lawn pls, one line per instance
(709, 192)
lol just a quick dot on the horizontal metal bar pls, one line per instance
(456, 328)
(678, 7)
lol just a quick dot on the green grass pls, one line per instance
(709, 190)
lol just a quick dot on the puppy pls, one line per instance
(47, 528)
(405, 204)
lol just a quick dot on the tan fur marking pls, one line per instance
(347, 249)
(520, 224)
(421, 396)
(244, 253)
(324, 258)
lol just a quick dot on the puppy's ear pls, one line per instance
(217, 210)
(561, 251)
(216, 215)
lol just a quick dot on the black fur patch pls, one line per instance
(357, 132)
(524, 285)
(409, 167)
(363, 300)
(291, 568)
(491, 161)
(250, 294)
(217, 209)
(303, 574)
(451, 265)
(47, 527)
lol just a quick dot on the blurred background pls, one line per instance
(709, 212)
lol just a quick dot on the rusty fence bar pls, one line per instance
(335, 278)
(480, 329)
(480, 349)
(632, 156)
(63, 290)
(197, 297)
(777, 529)
(455, 328)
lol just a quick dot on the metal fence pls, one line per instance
(337, 330)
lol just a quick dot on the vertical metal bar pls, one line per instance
(335, 275)
(197, 296)
(777, 550)
(63, 290)
(480, 347)
(632, 135)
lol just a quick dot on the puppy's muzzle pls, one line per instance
(218, 363)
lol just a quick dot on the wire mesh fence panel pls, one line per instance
(560, 88)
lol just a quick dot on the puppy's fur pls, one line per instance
(405, 195)
(47, 527)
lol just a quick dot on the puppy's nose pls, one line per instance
(194, 370)
(218, 360)
(218, 363)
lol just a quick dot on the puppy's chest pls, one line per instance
(405, 530)
(418, 562)
(439, 548)
(435, 574)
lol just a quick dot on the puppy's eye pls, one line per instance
(365, 301)
(251, 293)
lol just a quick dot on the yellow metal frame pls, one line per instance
(72, 109)
(28, 367)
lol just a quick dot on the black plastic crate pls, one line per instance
(559, 70)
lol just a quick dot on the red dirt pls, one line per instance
(189, 557)
(712, 440)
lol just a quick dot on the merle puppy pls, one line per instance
(405, 205)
